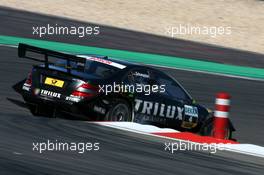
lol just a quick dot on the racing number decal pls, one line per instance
(54, 82)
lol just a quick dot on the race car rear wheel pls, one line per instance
(207, 129)
(120, 111)
(34, 110)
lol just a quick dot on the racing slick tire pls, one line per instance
(207, 129)
(34, 110)
(120, 111)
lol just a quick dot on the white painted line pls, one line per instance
(136, 127)
(17, 153)
(210, 73)
(7, 45)
(249, 149)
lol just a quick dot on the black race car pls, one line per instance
(99, 88)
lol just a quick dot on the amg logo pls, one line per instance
(157, 109)
(49, 93)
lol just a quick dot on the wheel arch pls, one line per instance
(113, 100)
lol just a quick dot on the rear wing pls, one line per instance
(24, 48)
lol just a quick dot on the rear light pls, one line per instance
(88, 86)
(82, 94)
(85, 90)
(29, 79)
(27, 85)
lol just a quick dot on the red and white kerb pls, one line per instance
(222, 106)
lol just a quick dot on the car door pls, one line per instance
(178, 109)
(146, 103)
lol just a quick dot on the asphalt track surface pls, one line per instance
(120, 152)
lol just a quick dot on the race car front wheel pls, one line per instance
(120, 111)
(207, 129)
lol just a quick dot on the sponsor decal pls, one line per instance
(141, 75)
(100, 60)
(190, 119)
(191, 111)
(140, 118)
(158, 109)
(54, 82)
(99, 109)
(47, 93)
(155, 111)
(26, 87)
(72, 98)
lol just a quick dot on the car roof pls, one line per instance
(116, 60)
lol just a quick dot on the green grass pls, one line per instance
(154, 59)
